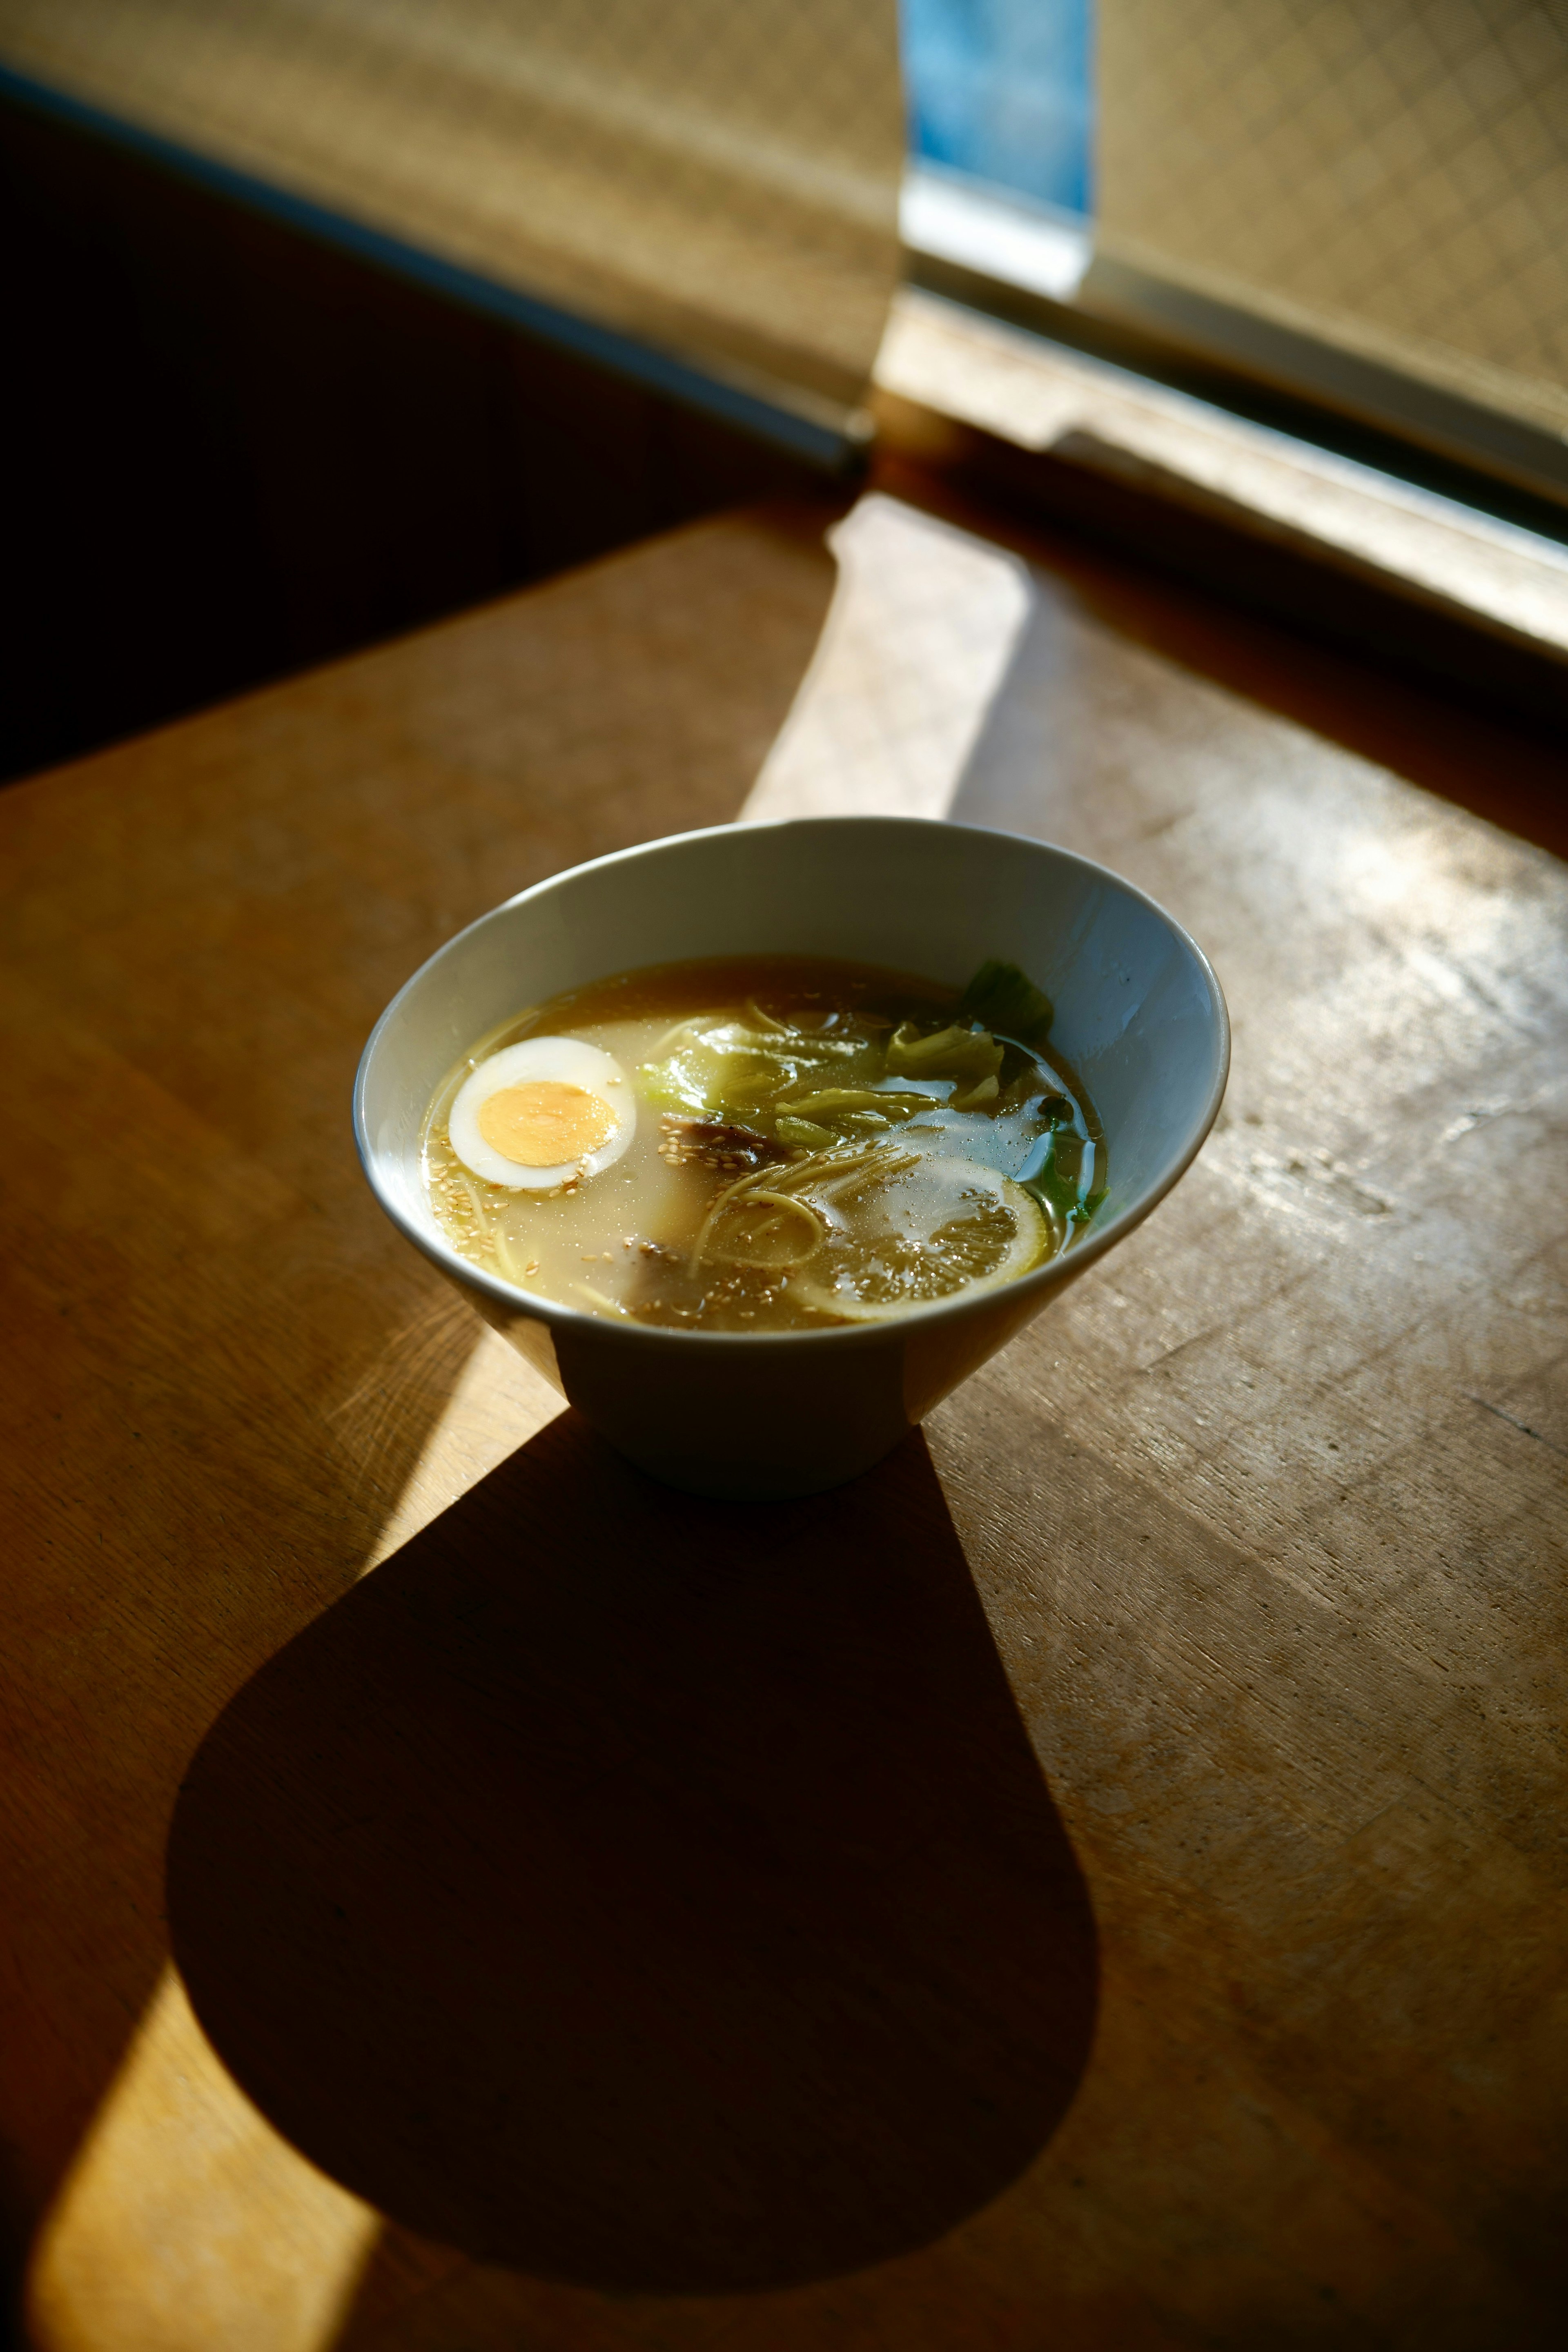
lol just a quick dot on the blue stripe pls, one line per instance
(622, 355)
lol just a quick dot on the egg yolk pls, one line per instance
(545, 1123)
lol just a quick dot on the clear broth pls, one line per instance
(794, 1166)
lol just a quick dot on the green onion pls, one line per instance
(1005, 1001)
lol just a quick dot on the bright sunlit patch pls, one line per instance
(186, 2222)
(926, 624)
(497, 1403)
(539, 1114)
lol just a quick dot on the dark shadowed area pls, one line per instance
(644, 1891)
(241, 452)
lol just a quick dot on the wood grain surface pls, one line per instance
(1100, 1880)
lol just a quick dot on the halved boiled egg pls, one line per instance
(537, 1114)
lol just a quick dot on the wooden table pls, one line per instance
(1100, 1882)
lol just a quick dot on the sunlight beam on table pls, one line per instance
(919, 640)
(186, 2222)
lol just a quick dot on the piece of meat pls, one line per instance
(710, 1143)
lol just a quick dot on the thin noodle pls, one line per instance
(839, 1164)
(714, 1208)
(670, 1037)
(849, 1186)
(836, 1161)
(504, 1258)
(775, 1177)
(611, 1306)
(797, 1208)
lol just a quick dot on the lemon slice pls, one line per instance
(938, 1229)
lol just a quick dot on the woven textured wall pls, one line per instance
(1391, 175)
(719, 176)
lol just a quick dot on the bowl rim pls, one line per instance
(1069, 1262)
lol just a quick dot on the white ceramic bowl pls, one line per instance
(1138, 1015)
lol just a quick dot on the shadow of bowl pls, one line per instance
(648, 1891)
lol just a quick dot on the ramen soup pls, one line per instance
(779, 1143)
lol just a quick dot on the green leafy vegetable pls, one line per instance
(1002, 999)
(843, 1098)
(1088, 1204)
(951, 1052)
(804, 1081)
(1057, 1186)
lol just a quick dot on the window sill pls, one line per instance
(1339, 547)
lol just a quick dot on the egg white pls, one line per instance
(572, 1063)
